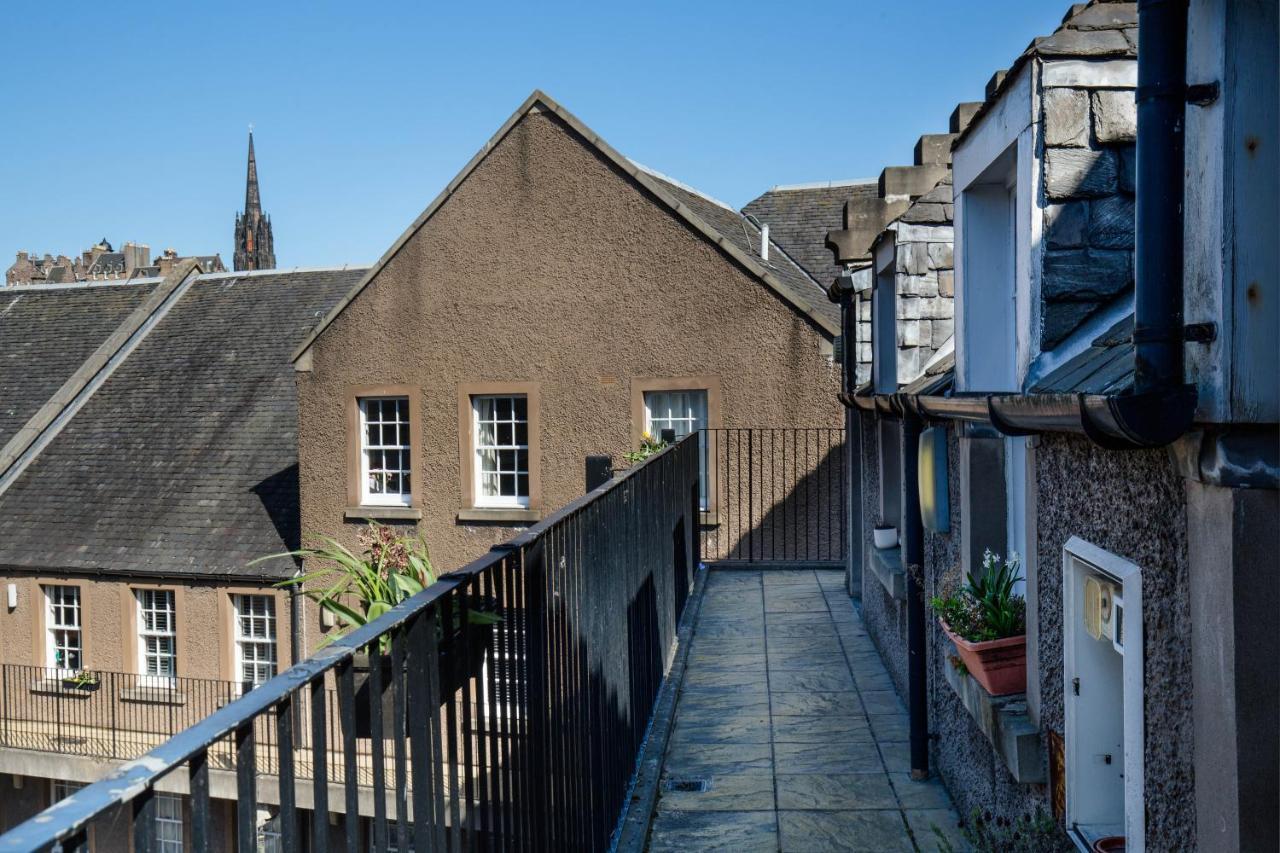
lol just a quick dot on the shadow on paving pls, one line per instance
(788, 734)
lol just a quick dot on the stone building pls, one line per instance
(148, 454)
(101, 262)
(1081, 425)
(556, 276)
(254, 242)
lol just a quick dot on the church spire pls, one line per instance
(255, 246)
(252, 201)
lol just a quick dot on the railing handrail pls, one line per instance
(137, 776)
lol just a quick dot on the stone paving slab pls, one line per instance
(788, 734)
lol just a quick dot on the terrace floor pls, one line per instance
(787, 717)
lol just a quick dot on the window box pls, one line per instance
(1005, 722)
(61, 687)
(1000, 666)
(886, 565)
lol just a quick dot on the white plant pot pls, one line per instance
(885, 537)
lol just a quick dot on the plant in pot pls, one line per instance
(885, 536)
(986, 620)
(358, 588)
(648, 446)
(84, 679)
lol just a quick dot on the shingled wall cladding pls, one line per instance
(925, 280)
(1089, 131)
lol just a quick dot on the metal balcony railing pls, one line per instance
(774, 495)
(521, 735)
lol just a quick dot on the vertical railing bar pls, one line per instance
(319, 769)
(377, 746)
(288, 816)
(198, 789)
(448, 617)
(246, 795)
(419, 728)
(398, 739)
(350, 779)
(435, 720)
(462, 665)
(500, 708)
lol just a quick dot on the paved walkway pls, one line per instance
(787, 717)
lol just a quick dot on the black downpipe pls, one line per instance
(1162, 75)
(913, 562)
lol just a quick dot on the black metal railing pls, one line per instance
(520, 735)
(774, 495)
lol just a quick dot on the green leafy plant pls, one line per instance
(648, 446)
(82, 678)
(390, 569)
(986, 606)
(1034, 832)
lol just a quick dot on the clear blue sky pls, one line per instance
(129, 120)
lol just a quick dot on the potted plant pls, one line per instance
(885, 536)
(648, 446)
(390, 569)
(83, 679)
(986, 620)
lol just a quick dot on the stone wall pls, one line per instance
(925, 281)
(1089, 131)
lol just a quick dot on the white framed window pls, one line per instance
(168, 823)
(684, 412)
(385, 452)
(269, 840)
(255, 638)
(157, 636)
(500, 436)
(64, 638)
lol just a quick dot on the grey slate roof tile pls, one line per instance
(800, 217)
(1106, 367)
(185, 460)
(45, 334)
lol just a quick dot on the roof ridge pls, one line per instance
(539, 101)
(822, 185)
(45, 425)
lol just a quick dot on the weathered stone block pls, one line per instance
(925, 233)
(918, 285)
(937, 308)
(941, 330)
(1079, 173)
(864, 310)
(909, 307)
(1111, 222)
(1128, 168)
(1066, 226)
(1066, 117)
(913, 258)
(934, 148)
(923, 211)
(909, 181)
(1115, 116)
(1060, 319)
(946, 283)
(910, 363)
(1076, 44)
(864, 353)
(1085, 275)
(941, 256)
(909, 333)
(963, 114)
(1106, 16)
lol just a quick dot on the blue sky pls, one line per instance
(129, 120)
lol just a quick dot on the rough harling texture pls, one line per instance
(975, 775)
(549, 264)
(1132, 504)
(1087, 206)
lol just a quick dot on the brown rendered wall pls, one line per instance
(549, 265)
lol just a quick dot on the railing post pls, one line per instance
(112, 699)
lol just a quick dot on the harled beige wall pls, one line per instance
(549, 265)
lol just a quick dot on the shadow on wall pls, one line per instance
(777, 497)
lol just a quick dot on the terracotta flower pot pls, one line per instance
(1000, 666)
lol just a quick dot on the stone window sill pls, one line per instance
(1005, 722)
(382, 513)
(706, 518)
(153, 696)
(886, 565)
(499, 515)
(55, 687)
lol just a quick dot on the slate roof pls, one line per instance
(1100, 29)
(46, 333)
(184, 462)
(1106, 367)
(800, 217)
(741, 232)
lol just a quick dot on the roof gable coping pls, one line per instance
(538, 101)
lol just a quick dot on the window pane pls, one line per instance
(522, 433)
(504, 408)
(508, 485)
(489, 485)
(402, 409)
(504, 434)
(488, 435)
(522, 408)
(506, 460)
(484, 408)
(523, 485)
